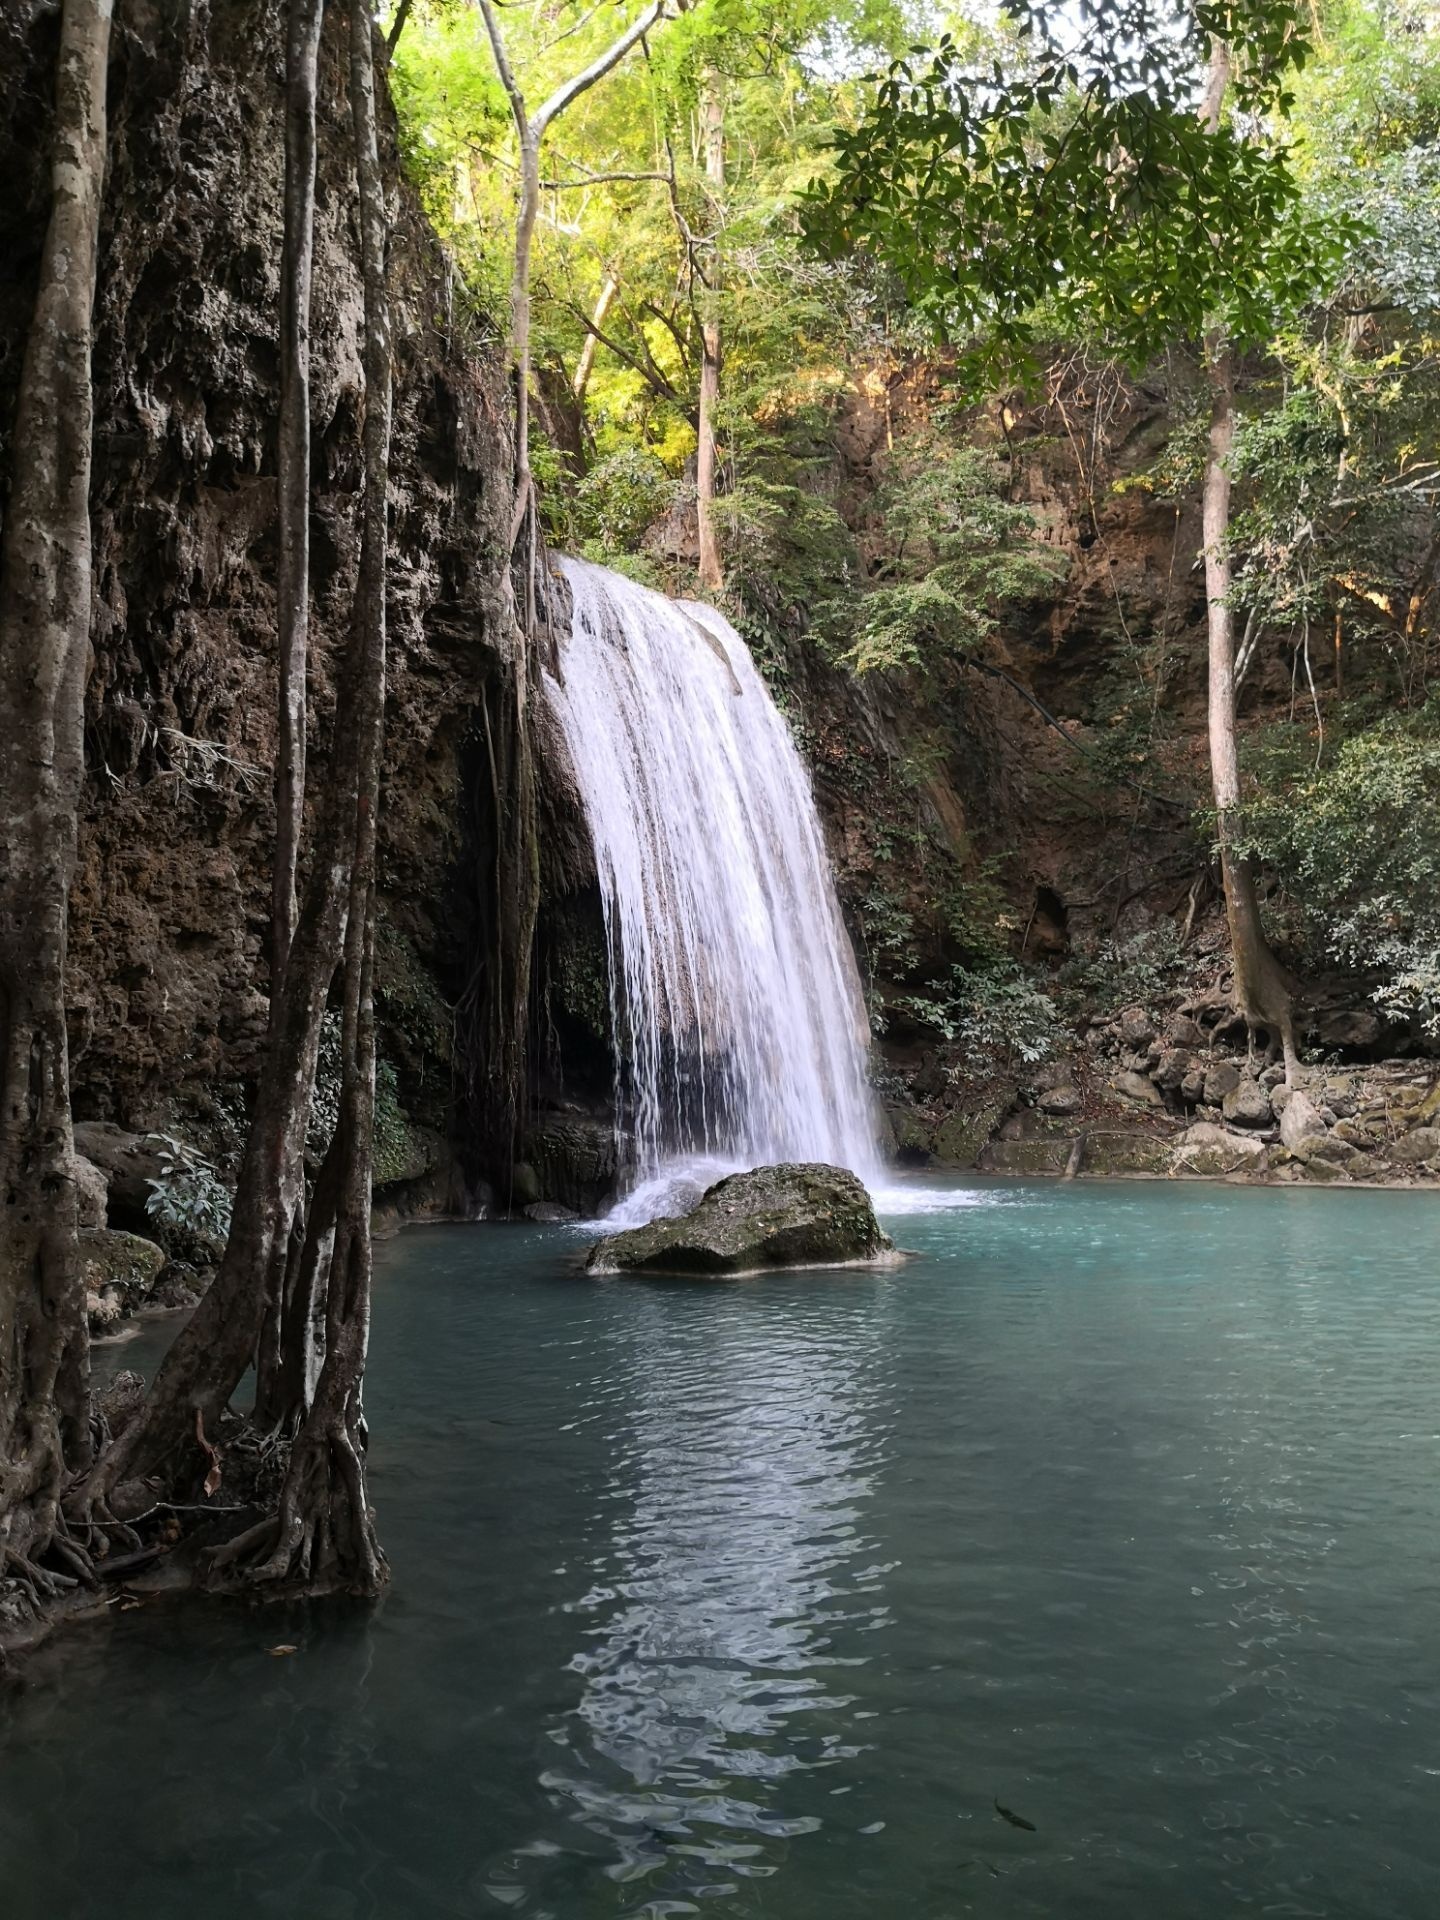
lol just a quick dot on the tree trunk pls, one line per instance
(45, 593)
(1261, 990)
(323, 1536)
(265, 1259)
(302, 54)
(292, 597)
(586, 364)
(712, 127)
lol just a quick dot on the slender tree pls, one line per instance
(712, 137)
(531, 128)
(45, 596)
(1261, 990)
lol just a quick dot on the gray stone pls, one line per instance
(550, 1213)
(119, 1271)
(1192, 1087)
(1247, 1105)
(1298, 1118)
(1222, 1078)
(1173, 1067)
(1136, 1027)
(1185, 1032)
(1060, 1100)
(961, 1136)
(91, 1192)
(1212, 1151)
(129, 1161)
(1356, 1027)
(1026, 1156)
(1135, 1086)
(1415, 1148)
(770, 1218)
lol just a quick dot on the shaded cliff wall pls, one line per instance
(171, 899)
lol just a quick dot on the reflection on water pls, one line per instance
(739, 1542)
(1119, 1506)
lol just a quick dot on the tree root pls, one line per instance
(322, 1538)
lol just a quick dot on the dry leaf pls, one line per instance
(275, 1652)
(212, 1478)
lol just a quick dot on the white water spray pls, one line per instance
(740, 1026)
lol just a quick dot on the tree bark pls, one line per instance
(1261, 989)
(302, 55)
(323, 1536)
(712, 128)
(45, 597)
(586, 364)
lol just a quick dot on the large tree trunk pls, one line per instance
(323, 1536)
(292, 599)
(302, 54)
(45, 589)
(1261, 990)
(712, 131)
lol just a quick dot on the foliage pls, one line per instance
(1357, 846)
(1000, 1011)
(619, 498)
(1142, 968)
(961, 553)
(188, 1200)
(1081, 181)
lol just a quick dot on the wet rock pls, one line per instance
(1117, 1152)
(1213, 1151)
(1222, 1078)
(549, 1213)
(1135, 1086)
(770, 1218)
(1247, 1105)
(571, 1159)
(909, 1134)
(128, 1162)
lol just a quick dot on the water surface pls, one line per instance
(1120, 1505)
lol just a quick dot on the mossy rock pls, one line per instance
(1120, 1153)
(769, 1219)
(119, 1271)
(1026, 1156)
(962, 1136)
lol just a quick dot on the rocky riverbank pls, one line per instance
(1179, 1095)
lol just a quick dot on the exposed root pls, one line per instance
(322, 1538)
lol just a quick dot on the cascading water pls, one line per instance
(740, 1027)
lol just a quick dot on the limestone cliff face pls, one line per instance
(170, 904)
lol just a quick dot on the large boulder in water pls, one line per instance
(758, 1222)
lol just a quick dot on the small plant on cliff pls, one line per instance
(961, 554)
(999, 1011)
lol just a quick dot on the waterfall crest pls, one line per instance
(739, 1021)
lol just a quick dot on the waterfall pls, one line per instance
(740, 1028)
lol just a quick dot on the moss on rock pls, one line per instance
(770, 1218)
